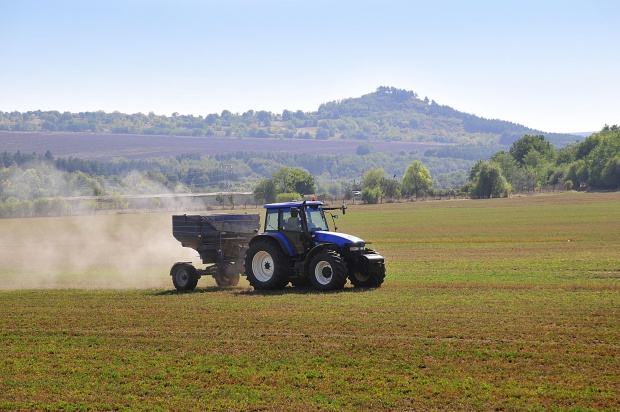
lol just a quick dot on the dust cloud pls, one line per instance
(121, 251)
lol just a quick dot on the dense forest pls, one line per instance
(386, 114)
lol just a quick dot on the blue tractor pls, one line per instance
(298, 247)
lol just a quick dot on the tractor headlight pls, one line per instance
(356, 247)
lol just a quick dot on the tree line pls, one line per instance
(289, 184)
(27, 177)
(532, 163)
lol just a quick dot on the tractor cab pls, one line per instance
(292, 215)
(303, 224)
(292, 223)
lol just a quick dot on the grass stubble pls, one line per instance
(505, 304)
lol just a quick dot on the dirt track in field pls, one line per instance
(104, 147)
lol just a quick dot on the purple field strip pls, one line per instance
(104, 147)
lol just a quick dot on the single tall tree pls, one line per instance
(527, 143)
(372, 185)
(489, 182)
(293, 180)
(417, 180)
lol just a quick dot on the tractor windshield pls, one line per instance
(316, 219)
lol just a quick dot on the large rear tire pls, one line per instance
(327, 271)
(266, 266)
(184, 277)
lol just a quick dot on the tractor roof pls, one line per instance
(292, 204)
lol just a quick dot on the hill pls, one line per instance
(396, 114)
(388, 114)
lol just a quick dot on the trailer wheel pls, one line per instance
(327, 271)
(227, 280)
(266, 266)
(184, 277)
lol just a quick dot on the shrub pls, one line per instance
(288, 197)
(371, 196)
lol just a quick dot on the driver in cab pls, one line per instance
(293, 223)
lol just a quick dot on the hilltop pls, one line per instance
(402, 115)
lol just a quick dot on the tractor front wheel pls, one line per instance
(327, 271)
(184, 277)
(368, 280)
(266, 266)
(372, 280)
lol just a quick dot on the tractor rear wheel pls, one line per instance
(266, 266)
(184, 277)
(227, 280)
(327, 271)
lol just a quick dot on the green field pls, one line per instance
(503, 304)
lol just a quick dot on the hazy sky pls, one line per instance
(549, 65)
